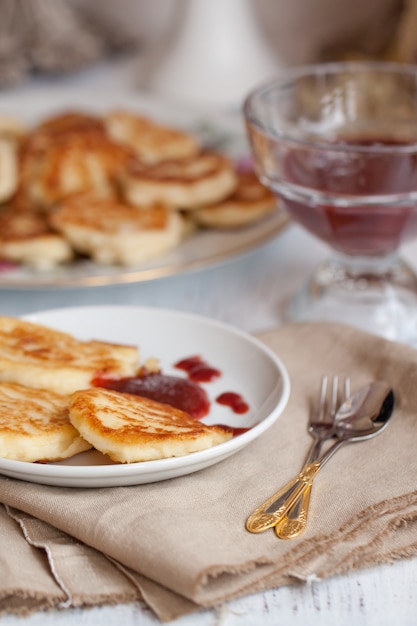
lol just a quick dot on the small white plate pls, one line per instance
(247, 367)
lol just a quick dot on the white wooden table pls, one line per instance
(249, 292)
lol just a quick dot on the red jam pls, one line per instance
(198, 370)
(180, 393)
(234, 401)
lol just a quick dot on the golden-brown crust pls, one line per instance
(69, 122)
(182, 183)
(131, 428)
(111, 231)
(80, 163)
(26, 237)
(18, 224)
(150, 141)
(107, 215)
(45, 358)
(67, 154)
(35, 425)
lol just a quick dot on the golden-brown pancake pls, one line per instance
(182, 183)
(111, 231)
(44, 358)
(35, 426)
(26, 237)
(131, 428)
(248, 203)
(68, 154)
(9, 168)
(12, 132)
(150, 141)
(78, 164)
(56, 127)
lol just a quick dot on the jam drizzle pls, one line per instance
(234, 401)
(198, 370)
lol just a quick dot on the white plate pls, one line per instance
(248, 367)
(203, 249)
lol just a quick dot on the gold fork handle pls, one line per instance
(273, 510)
(294, 522)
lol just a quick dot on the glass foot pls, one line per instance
(379, 296)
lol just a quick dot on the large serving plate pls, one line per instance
(204, 248)
(247, 367)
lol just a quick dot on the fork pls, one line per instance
(320, 428)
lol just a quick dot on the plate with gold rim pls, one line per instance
(202, 249)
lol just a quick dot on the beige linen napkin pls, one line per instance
(181, 544)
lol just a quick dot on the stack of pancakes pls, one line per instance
(118, 188)
(50, 409)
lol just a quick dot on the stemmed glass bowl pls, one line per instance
(337, 143)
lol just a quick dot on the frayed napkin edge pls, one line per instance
(69, 601)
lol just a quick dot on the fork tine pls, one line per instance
(334, 396)
(327, 407)
(322, 398)
(347, 387)
(335, 401)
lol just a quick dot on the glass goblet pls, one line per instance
(337, 143)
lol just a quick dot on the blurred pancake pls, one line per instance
(111, 231)
(248, 203)
(69, 154)
(150, 141)
(182, 183)
(9, 167)
(26, 237)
